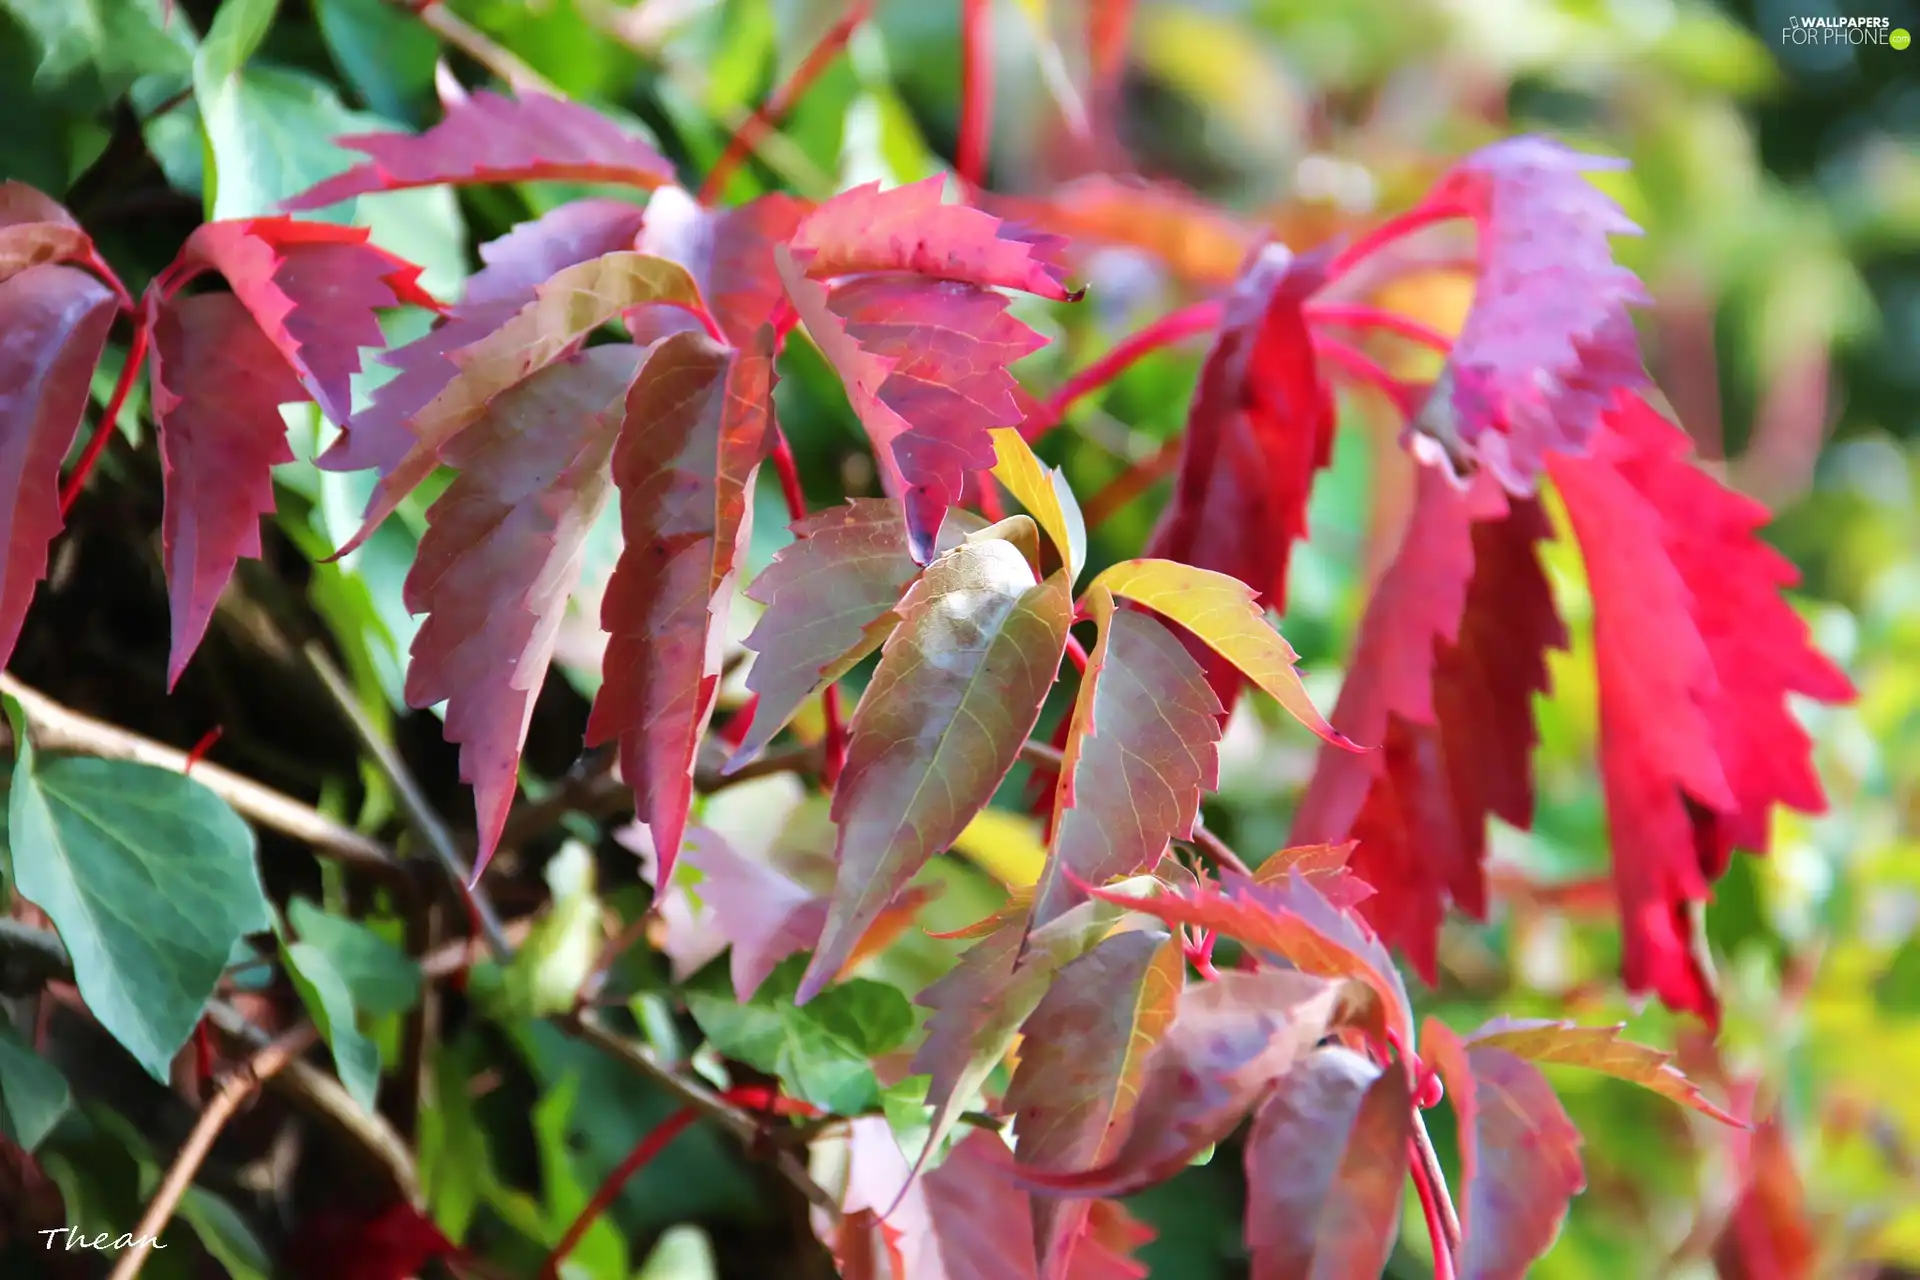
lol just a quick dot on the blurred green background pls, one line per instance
(1779, 187)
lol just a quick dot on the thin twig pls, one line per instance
(421, 816)
(1041, 755)
(235, 1089)
(470, 40)
(58, 728)
(1174, 327)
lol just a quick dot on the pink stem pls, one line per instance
(1386, 233)
(1364, 369)
(834, 749)
(1357, 316)
(976, 91)
(1175, 326)
(1430, 1209)
(103, 431)
(781, 100)
(789, 476)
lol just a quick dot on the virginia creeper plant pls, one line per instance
(625, 352)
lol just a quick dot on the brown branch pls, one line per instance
(58, 728)
(234, 1090)
(1218, 851)
(470, 40)
(421, 816)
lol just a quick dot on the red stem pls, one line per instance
(1385, 234)
(789, 476)
(1362, 368)
(734, 731)
(976, 91)
(781, 100)
(103, 431)
(1131, 483)
(642, 1154)
(1077, 652)
(1357, 316)
(1430, 1209)
(1175, 326)
(201, 748)
(833, 757)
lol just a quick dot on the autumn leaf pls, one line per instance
(1230, 1040)
(910, 229)
(312, 287)
(1324, 866)
(488, 137)
(218, 384)
(1597, 1049)
(1144, 744)
(565, 310)
(1519, 1155)
(1220, 611)
(36, 229)
(1327, 1168)
(829, 598)
(958, 688)
(501, 553)
(55, 319)
(925, 368)
(729, 254)
(1548, 340)
(1449, 656)
(1293, 920)
(1260, 427)
(699, 420)
(1083, 1055)
(1043, 491)
(516, 265)
(1195, 240)
(1696, 652)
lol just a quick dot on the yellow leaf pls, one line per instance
(1220, 610)
(1043, 491)
(1005, 845)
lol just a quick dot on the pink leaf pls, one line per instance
(728, 252)
(516, 264)
(312, 288)
(218, 384)
(501, 554)
(910, 229)
(492, 138)
(763, 914)
(699, 418)
(55, 320)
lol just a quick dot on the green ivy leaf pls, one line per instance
(33, 1093)
(150, 879)
(822, 1052)
(330, 1002)
(98, 48)
(383, 979)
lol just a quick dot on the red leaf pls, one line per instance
(1548, 340)
(728, 252)
(1327, 1169)
(699, 418)
(1769, 1235)
(1291, 919)
(489, 137)
(1696, 650)
(36, 229)
(1143, 745)
(516, 264)
(1519, 1155)
(1230, 1040)
(1261, 425)
(959, 686)
(1597, 1049)
(1324, 866)
(393, 1244)
(830, 596)
(910, 229)
(312, 288)
(55, 320)
(500, 556)
(925, 367)
(218, 384)
(1083, 1054)
(1449, 656)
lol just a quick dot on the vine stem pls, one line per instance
(746, 139)
(1356, 316)
(1443, 1220)
(976, 92)
(639, 1158)
(470, 40)
(1132, 482)
(103, 430)
(236, 1089)
(1175, 326)
(1363, 369)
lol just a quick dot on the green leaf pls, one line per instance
(33, 1093)
(821, 1052)
(103, 45)
(602, 1251)
(150, 879)
(238, 28)
(383, 979)
(958, 688)
(330, 1003)
(552, 964)
(383, 52)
